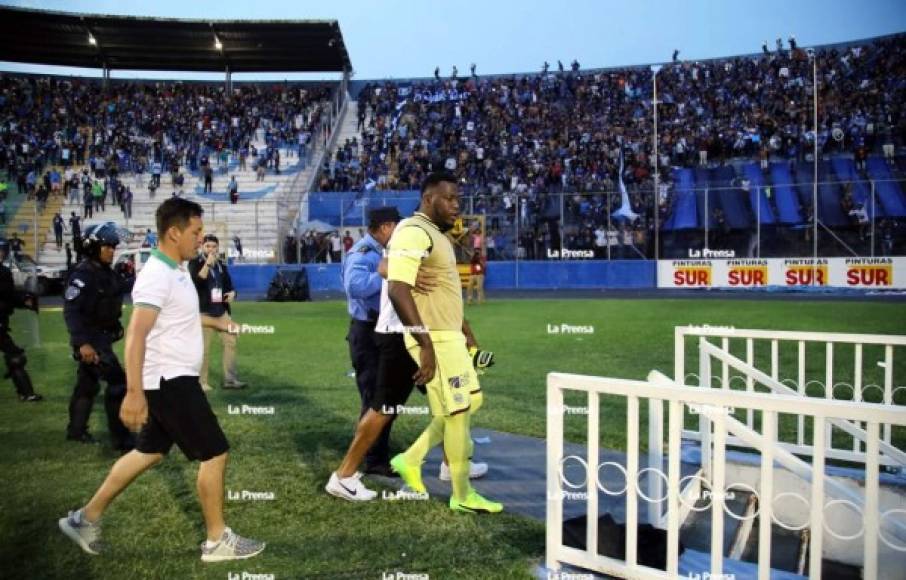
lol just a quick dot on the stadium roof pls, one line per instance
(170, 44)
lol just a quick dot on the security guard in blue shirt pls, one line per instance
(362, 284)
(92, 307)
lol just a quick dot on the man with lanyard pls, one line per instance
(362, 283)
(164, 400)
(215, 293)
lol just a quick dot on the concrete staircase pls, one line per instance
(254, 219)
(348, 126)
(22, 218)
(346, 130)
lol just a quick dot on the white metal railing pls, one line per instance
(831, 387)
(715, 403)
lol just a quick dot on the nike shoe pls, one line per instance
(412, 475)
(231, 546)
(82, 532)
(475, 504)
(349, 488)
(476, 470)
(32, 398)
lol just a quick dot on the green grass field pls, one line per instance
(153, 530)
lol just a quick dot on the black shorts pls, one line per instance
(395, 370)
(179, 413)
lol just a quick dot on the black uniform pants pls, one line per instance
(88, 377)
(363, 351)
(15, 364)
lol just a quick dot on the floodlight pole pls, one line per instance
(815, 184)
(657, 240)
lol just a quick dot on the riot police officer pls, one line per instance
(362, 284)
(14, 355)
(92, 307)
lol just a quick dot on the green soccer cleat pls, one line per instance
(475, 504)
(412, 476)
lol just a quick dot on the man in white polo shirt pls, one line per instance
(164, 399)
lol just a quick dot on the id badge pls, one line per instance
(216, 295)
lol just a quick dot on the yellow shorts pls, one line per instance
(455, 381)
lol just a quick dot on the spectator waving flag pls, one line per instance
(625, 209)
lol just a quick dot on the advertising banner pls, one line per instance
(865, 273)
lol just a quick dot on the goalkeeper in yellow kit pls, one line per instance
(438, 339)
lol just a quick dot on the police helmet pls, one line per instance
(99, 235)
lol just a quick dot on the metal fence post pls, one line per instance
(516, 221)
(562, 223)
(35, 232)
(872, 193)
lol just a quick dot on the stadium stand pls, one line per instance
(262, 135)
(536, 135)
(735, 130)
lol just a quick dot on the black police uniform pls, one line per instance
(14, 355)
(92, 308)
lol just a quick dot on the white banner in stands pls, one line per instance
(879, 273)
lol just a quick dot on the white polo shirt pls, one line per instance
(174, 346)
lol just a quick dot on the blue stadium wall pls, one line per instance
(542, 275)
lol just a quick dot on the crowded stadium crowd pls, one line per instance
(565, 131)
(147, 127)
(526, 148)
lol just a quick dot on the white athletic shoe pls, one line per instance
(476, 470)
(231, 546)
(82, 532)
(349, 488)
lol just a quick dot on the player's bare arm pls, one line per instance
(470, 338)
(400, 295)
(134, 410)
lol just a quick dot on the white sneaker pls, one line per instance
(349, 488)
(476, 470)
(82, 532)
(231, 546)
